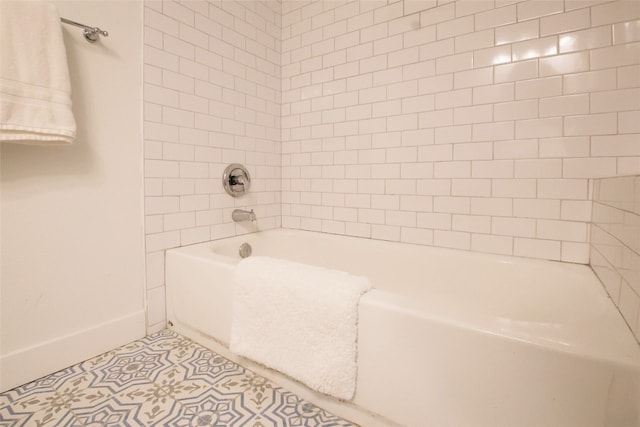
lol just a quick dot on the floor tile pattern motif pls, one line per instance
(161, 380)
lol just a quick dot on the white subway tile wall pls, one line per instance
(211, 97)
(472, 124)
(615, 243)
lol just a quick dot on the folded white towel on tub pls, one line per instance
(35, 89)
(300, 320)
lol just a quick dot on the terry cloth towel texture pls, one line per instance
(300, 320)
(35, 89)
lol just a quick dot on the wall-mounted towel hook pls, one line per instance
(91, 34)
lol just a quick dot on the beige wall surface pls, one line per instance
(72, 216)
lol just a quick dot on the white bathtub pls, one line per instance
(446, 338)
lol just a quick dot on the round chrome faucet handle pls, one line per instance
(237, 177)
(236, 180)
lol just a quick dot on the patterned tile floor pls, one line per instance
(160, 380)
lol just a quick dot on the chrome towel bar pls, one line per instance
(91, 34)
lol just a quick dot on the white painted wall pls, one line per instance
(72, 217)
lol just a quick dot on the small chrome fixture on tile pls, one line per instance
(239, 215)
(245, 250)
(236, 180)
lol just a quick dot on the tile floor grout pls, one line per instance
(163, 379)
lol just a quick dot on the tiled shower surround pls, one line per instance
(615, 243)
(471, 124)
(211, 98)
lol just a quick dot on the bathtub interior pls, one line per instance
(514, 288)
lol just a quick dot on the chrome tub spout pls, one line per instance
(239, 215)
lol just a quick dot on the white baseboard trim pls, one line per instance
(27, 364)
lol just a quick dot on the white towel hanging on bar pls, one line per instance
(35, 89)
